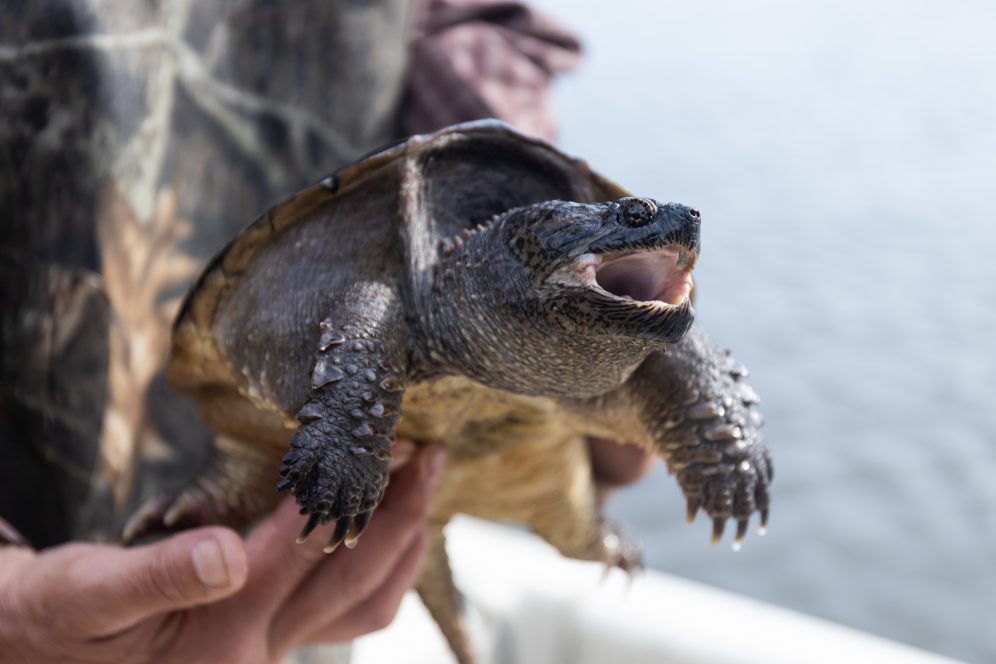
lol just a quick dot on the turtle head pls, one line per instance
(561, 298)
(617, 269)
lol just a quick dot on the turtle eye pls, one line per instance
(636, 212)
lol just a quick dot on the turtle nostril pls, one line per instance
(694, 214)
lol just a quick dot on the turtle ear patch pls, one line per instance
(547, 233)
(528, 248)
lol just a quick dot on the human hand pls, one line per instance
(206, 595)
(614, 465)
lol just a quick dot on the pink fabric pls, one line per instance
(476, 59)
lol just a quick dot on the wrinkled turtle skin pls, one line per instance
(477, 289)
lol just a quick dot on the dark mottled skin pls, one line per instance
(492, 316)
(703, 419)
(337, 465)
(494, 313)
(446, 290)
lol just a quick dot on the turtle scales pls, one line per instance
(478, 289)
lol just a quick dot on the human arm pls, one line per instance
(207, 595)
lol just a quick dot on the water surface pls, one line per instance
(843, 155)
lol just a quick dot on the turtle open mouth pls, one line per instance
(662, 276)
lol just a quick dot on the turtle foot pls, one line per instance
(733, 489)
(332, 481)
(708, 425)
(620, 549)
(169, 513)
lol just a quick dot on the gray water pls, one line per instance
(843, 155)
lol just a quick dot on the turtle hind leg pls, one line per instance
(443, 600)
(237, 487)
(568, 517)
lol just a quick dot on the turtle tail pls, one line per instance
(443, 600)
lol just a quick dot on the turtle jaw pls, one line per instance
(641, 292)
(657, 278)
(654, 280)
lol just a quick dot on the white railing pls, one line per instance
(528, 605)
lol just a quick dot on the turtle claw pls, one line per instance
(333, 479)
(342, 528)
(9, 535)
(741, 532)
(144, 521)
(181, 507)
(692, 510)
(313, 521)
(718, 524)
(359, 525)
(168, 513)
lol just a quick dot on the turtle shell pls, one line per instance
(251, 322)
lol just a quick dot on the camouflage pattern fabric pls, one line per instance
(135, 140)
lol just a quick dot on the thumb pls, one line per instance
(121, 587)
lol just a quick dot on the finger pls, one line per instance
(98, 590)
(277, 562)
(348, 577)
(401, 454)
(379, 609)
(615, 464)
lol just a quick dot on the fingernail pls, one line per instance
(432, 465)
(209, 563)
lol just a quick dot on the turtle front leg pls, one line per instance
(337, 467)
(703, 419)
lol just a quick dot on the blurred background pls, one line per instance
(843, 155)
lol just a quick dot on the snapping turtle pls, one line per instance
(476, 288)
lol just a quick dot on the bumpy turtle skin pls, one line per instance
(453, 261)
(337, 465)
(703, 419)
(484, 318)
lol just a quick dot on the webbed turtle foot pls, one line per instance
(731, 484)
(335, 479)
(707, 423)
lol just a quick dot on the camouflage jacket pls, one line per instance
(135, 140)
